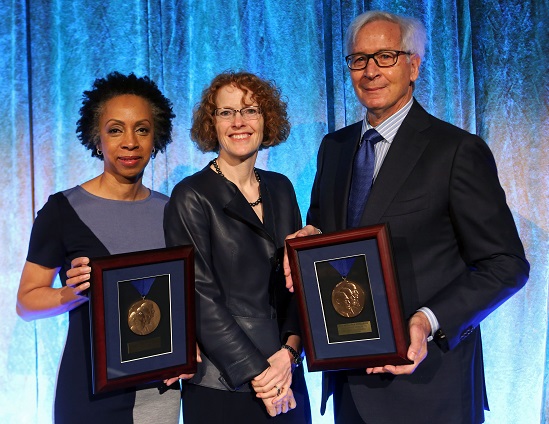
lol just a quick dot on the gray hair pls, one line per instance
(412, 30)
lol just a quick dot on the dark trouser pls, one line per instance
(345, 411)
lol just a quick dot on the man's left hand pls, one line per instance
(420, 329)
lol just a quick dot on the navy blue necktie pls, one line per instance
(362, 178)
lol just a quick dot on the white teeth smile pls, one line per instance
(239, 136)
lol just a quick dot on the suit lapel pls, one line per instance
(239, 209)
(406, 149)
(269, 208)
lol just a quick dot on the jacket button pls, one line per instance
(466, 333)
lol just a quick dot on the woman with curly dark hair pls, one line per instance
(237, 217)
(125, 120)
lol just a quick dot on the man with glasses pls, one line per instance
(457, 252)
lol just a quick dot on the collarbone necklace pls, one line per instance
(252, 204)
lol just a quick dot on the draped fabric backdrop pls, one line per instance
(486, 70)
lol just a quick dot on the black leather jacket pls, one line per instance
(242, 304)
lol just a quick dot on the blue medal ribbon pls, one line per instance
(343, 266)
(143, 285)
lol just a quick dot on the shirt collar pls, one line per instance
(388, 128)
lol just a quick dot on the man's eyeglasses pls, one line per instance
(382, 58)
(249, 113)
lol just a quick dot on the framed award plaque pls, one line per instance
(142, 317)
(349, 299)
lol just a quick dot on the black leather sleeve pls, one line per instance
(190, 219)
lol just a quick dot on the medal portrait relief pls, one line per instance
(143, 317)
(348, 299)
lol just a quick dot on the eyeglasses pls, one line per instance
(250, 113)
(382, 58)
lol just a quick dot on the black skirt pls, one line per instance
(205, 405)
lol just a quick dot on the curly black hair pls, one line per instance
(116, 84)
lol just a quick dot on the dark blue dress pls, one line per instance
(76, 223)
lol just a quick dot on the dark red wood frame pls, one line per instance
(97, 309)
(379, 232)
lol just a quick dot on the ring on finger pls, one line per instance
(277, 390)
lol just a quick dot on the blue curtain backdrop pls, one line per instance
(486, 70)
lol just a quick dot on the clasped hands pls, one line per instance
(273, 384)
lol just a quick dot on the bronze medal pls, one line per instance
(348, 298)
(143, 317)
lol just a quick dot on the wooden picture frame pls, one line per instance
(142, 314)
(349, 299)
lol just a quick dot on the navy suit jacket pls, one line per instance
(456, 251)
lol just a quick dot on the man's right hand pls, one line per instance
(308, 230)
